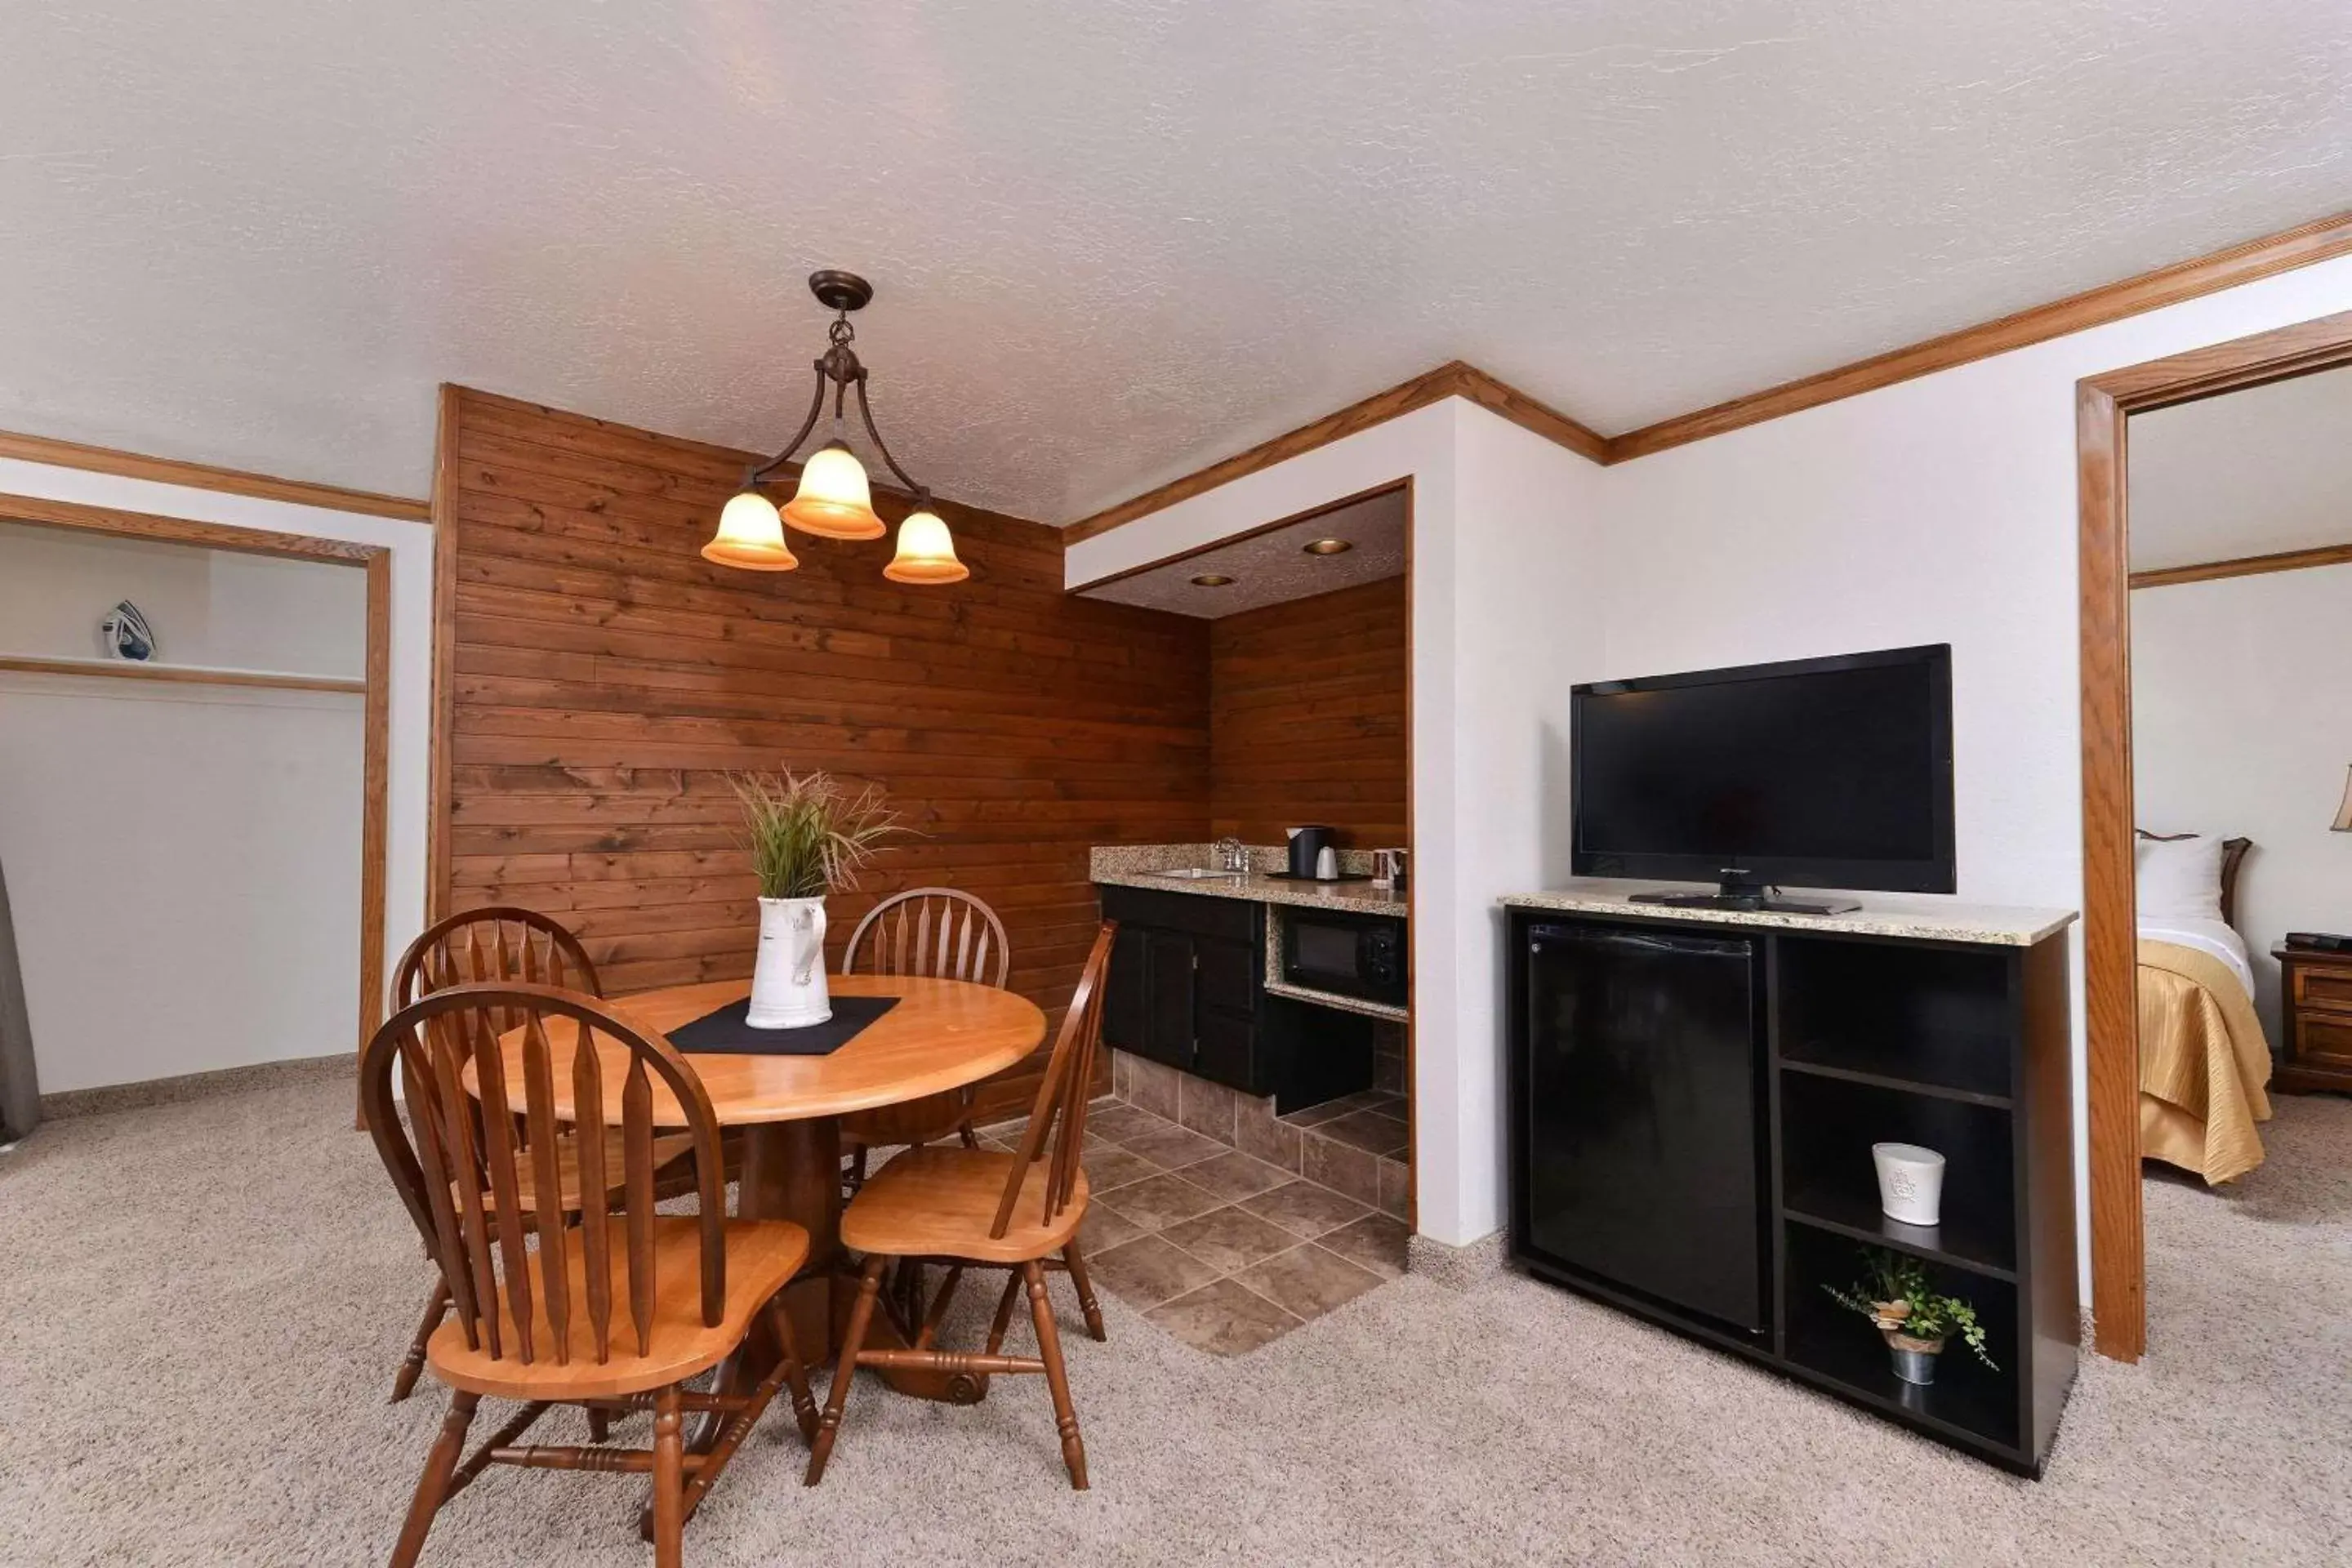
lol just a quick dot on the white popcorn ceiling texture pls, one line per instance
(1112, 239)
(1274, 567)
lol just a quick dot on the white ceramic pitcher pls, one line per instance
(788, 989)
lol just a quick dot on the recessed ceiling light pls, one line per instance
(1212, 580)
(1326, 547)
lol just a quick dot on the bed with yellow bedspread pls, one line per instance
(2203, 1063)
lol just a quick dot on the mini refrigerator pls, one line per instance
(1636, 1098)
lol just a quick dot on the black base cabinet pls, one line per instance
(1187, 987)
(1691, 1111)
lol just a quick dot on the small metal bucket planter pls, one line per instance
(1915, 1359)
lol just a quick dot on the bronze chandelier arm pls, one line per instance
(920, 492)
(816, 407)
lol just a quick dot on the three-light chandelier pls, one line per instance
(834, 500)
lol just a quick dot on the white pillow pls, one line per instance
(2179, 879)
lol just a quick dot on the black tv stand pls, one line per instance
(1803, 1043)
(1737, 890)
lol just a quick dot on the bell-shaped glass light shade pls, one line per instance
(751, 536)
(926, 552)
(834, 501)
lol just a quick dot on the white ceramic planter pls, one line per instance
(788, 989)
(1910, 1182)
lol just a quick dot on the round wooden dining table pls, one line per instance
(942, 1035)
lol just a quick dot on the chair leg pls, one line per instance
(869, 1285)
(1004, 1318)
(437, 1307)
(600, 1424)
(440, 1463)
(669, 1480)
(1049, 1351)
(1077, 1264)
(795, 1370)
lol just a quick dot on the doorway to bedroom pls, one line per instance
(2231, 666)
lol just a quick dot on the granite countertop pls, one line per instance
(1131, 865)
(1921, 916)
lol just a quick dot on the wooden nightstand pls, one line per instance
(2315, 1022)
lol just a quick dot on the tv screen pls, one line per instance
(1822, 773)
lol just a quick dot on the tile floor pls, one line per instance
(1223, 1251)
(1358, 1144)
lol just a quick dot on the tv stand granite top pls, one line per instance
(1921, 917)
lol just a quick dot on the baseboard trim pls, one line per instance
(1455, 1268)
(71, 1103)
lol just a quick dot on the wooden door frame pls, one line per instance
(375, 696)
(2110, 941)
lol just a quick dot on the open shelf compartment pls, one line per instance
(1937, 1018)
(1968, 1399)
(1829, 1179)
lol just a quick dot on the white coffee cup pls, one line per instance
(1327, 864)
(1910, 1182)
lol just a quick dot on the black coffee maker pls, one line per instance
(1305, 844)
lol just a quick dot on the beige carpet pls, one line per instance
(201, 1304)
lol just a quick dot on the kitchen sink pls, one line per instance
(1198, 874)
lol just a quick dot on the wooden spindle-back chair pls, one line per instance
(491, 945)
(495, 943)
(972, 1207)
(944, 934)
(605, 1303)
(941, 933)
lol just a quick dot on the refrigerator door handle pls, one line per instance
(1703, 946)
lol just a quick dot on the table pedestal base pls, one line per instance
(791, 1170)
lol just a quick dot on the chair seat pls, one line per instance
(761, 1257)
(666, 1148)
(939, 1202)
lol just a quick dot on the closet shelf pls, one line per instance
(193, 674)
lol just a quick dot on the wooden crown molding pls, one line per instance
(1453, 379)
(2322, 240)
(2244, 566)
(206, 477)
(184, 530)
(2313, 242)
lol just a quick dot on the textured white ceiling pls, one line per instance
(1274, 567)
(2247, 473)
(1113, 238)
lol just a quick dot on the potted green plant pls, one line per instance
(1915, 1319)
(807, 836)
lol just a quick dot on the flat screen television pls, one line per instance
(1816, 773)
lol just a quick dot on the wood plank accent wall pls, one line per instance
(603, 677)
(1307, 717)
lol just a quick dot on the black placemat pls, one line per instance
(724, 1032)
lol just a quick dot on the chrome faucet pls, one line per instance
(1233, 855)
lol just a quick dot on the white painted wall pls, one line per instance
(1504, 620)
(2266, 470)
(2242, 724)
(219, 609)
(183, 866)
(1941, 510)
(1527, 625)
(289, 846)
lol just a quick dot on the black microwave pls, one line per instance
(1345, 953)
